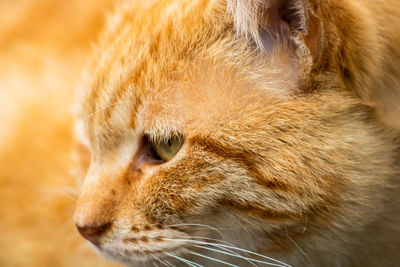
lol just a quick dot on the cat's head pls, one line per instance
(208, 122)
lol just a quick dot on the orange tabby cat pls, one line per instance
(239, 133)
(217, 126)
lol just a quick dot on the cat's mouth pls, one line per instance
(143, 246)
(124, 253)
(176, 247)
(182, 252)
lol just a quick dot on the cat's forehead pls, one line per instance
(204, 99)
(141, 52)
(172, 67)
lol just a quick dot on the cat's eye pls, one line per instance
(167, 149)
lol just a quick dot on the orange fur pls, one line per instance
(290, 151)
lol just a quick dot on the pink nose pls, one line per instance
(93, 233)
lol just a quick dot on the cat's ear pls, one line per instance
(272, 23)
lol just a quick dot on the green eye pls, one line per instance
(166, 150)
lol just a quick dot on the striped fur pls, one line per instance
(285, 152)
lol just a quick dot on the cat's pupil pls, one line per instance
(169, 142)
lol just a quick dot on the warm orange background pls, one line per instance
(44, 45)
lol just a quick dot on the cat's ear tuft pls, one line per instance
(269, 23)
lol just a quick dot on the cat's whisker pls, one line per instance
(250, 260)
(104, 108)
(188, 262)
(228, 246)
(197, 224)
(213, 259)
(218, 240)
(212, 239)
(220, 246)
(305, 226)
(230, 253)
(159, 260)
(169, 264)
(299, 248)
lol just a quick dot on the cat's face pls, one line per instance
(195, 135)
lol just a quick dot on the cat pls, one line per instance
(266, 127)
(234, 132)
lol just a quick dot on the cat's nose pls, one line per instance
(93, 233)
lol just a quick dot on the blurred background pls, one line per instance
(44, 45)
